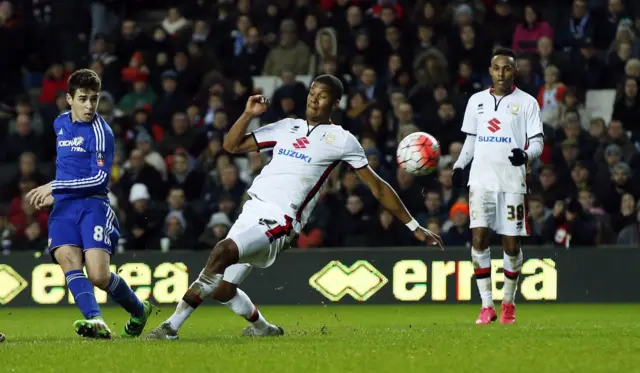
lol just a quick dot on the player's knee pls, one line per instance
(225, 292)
(69, 258)
(478, 242)
(225, 253)
(511, 245)
(99, 279)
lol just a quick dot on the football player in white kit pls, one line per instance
(504, 133)
(282, 197)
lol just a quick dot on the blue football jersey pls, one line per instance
(84, 158)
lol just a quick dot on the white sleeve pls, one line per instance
(470, 123)
(266, 137)
(466, 154)
(534, 121)
(535, 147)
(353, 153)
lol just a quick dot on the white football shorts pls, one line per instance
(504, 213)
(261, 233)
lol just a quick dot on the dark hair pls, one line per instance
(84, 79)
(505, 52)
(336, 89)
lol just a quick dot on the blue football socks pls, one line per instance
(124, 296)
(83, 294)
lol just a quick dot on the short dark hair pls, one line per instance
(84, 79)
(336, 89)
(505, 52)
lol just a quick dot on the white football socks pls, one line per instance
(203, 287)
(512, 266)
(242, 306)
(482, 269)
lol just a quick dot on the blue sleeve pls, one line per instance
(101, 149)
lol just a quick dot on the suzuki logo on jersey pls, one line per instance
(499, 139)
(75, 144)
(493, 125)
(301, 143)
(295, 154)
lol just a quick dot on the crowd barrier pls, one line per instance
(349, 276)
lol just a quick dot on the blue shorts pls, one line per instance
(88, 223)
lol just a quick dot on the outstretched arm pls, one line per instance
(389, 199)
(238, 140)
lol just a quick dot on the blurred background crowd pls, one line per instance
(176, 75)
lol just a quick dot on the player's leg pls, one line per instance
(100, 235)
(70, 260)
(230, 295)
(482, 205)
(65, 244)
(251, 245)
(513, 226)
(223, 255)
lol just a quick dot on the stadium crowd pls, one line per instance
(172, 88)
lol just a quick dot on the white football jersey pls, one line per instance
(500, 124)
(303, 158)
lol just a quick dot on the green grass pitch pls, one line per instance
(337, 338)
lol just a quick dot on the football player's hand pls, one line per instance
(519, 157)
(428, 237)
(457, 176)
(37, 196)
(48, 202)
(256, 105)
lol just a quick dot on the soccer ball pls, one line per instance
(418, 153)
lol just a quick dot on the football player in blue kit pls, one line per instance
(83, 229)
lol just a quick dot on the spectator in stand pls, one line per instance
(170, 101)
(547, 56)
(140, 172)
(55, 79)
(326, 47)
(27, 170)
(142, 228)
(550, 96)
(23, 107)
(568, 226)
(183, 136)
(355, 224)
(613, 17)
(7, 230)
(184, 177)
(527, 33)
(578, 26)
(537, 214)
(630, 235)
(626, 214)
(140, 95)
(290, 52)
(252, 57)
(22, 214)
(176, 233)
(459, 233)
(216, 231)
(24, 140)
(627, 106)
(617, 135)
(174, 23)
(389, 232)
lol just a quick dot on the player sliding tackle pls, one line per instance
(82, 227)
(504, 132)
(283, 196)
